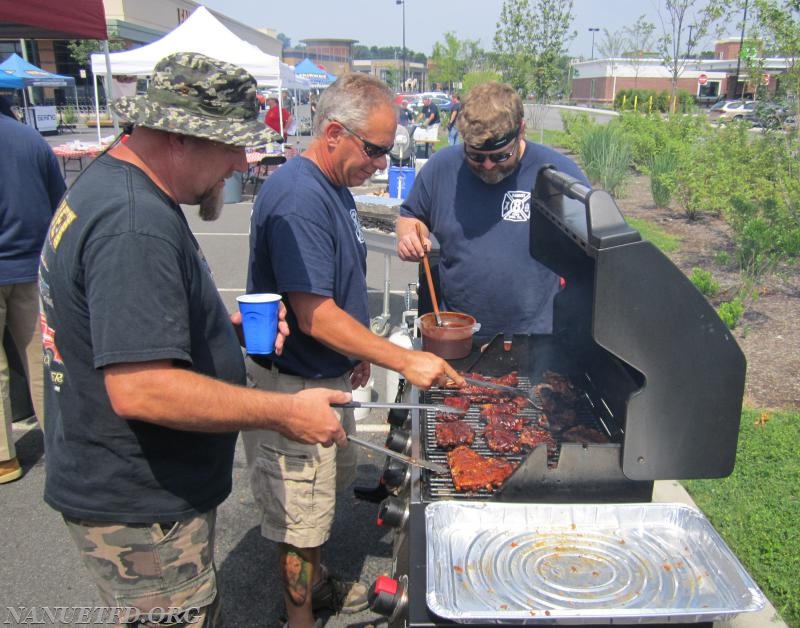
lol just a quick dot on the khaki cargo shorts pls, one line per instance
(295, 484)
(159, 574)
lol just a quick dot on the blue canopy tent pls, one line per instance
(315, 75)
(16, 73)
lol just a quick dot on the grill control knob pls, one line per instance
(388, 596)
(396, 475)
(393, 512)
(399, 440)
(397, 418)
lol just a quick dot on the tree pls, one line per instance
(452, 59)
(611, 47)
(779, 24)
(679, 17)
(286, 42)
(81, 49)
(529, 44)
(639, 43)
(512, 43)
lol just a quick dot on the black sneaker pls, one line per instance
(332, 594)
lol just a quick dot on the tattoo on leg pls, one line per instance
(296, 577)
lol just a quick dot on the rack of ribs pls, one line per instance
(454, 433)
(473, 472)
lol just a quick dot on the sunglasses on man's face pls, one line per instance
(496, 158)
(373, 151)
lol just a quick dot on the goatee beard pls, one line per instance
(211, 204)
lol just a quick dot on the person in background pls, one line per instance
(31, 186)
(475, 198)
(429, 114)
(6, 109)
(277, 118)
(452, 127)
(147, 384)
(405, 116)
(306, 243)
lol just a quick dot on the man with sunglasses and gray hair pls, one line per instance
(306, 243)
(475, 199)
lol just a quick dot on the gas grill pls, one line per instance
(658, 374)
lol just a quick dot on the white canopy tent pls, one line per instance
(202, 33)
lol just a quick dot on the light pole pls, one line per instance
(739, 56)
(403, 2)
(593, 31)
(689, 41)
(591, 88)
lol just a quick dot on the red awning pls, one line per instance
(52, 19)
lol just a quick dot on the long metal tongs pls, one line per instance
(517, 392)
(435, 407)
(425, 464)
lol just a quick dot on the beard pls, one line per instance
(211, 204)
(496, 174)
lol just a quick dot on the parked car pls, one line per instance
(731, 110)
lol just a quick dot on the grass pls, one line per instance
(664, 241)
(757, 508)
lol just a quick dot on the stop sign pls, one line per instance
(702, 79)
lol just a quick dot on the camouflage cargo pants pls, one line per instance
(156, 574)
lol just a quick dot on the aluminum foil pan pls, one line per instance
(581, 563)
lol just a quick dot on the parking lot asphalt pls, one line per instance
(40, 567)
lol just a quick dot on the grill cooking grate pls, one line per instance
(441, 486)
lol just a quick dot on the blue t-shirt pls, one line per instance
(485, 268)
(305, 236)
(30, 187)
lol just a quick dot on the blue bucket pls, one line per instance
(400, 181)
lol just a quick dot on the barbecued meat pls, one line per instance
(506, 421)
(457, 403)
(454, 433)
(561, 385)
(548, 397)
(562, 419)
(502, 407)
(479, 394)
(501, 440)
(472, 472)
(533, 436)
(583, 434)
(510, 379)
(462, 403)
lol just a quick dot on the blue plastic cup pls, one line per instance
(259, 321)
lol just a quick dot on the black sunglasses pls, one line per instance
(373, 151)
(496, 158)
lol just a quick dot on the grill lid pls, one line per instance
(625, 301)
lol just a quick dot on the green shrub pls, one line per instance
(69, 115)
(731, 312)
(704, 282)
(650, 100)
(722, 258)
(606, 157)
(576, 125)
(663, 166)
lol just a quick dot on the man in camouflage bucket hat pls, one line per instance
(195, 95)
(146, 380)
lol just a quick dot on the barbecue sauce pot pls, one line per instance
(453, 339)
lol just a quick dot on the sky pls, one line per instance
(380, 22)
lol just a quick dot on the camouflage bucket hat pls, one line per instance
(193, 94)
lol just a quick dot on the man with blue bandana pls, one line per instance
(475, 198)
